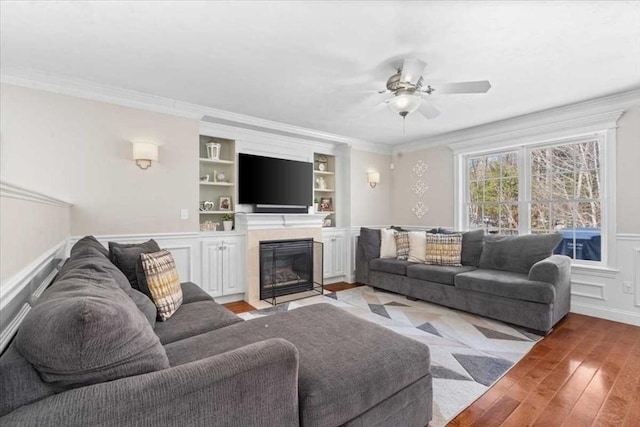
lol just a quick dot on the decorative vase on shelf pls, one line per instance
(316, 207)
(227, 225)
(213, 150)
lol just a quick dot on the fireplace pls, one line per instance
(289, 267)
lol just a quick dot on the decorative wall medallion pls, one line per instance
(420, 168)
(420, 210)
(420, 188)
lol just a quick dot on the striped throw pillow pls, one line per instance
(402, 245)
(163, 282)
(444, 249)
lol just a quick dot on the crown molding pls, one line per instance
(580, 114)
(129, 98)
(14, 191)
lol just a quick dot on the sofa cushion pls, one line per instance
(386, 265)
(443, 249)
(347, 365)
(402, 245)
(91, 242)
(472, 243)
(162, 283)
(145, 305)
(370, 241)
(437, 273)
(192, 293)
(20, 383)
(388, 243)
(75, 341)
(517, 253)
(417, 246)
(193, 319)
(125, 257)
(506, 284)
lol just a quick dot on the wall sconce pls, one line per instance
(373, 178)
(144, 153)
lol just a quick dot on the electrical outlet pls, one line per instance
(628, 288)
(184, 213)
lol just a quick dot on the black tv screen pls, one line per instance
(271, 181)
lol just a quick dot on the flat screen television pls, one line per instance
(275, 185)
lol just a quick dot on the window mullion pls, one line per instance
(524, 191)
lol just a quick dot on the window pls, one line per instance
(540, 189)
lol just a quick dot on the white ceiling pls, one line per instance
(293, 62)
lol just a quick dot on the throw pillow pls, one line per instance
(163, 282)
(517, 253)
(369, 241)
(125, 257)
(387, 243)
(417, 246)
(444, 249)
(402, 245)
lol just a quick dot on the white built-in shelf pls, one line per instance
(217, 162)
(325, 212)
(215, 212)
(323, 172)
(324, 190)
(219, 184)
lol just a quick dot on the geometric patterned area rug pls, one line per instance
(468, 353)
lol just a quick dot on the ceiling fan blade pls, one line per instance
(412, 70)
(428, 110)
(482, 86)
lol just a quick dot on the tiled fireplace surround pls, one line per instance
(264, 227)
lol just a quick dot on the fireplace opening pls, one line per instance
(289, 267)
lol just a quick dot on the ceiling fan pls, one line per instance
(409, 89)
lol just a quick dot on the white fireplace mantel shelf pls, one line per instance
(264, 221)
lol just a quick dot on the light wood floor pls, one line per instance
(586, 372)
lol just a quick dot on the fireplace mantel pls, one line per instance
(262, 221)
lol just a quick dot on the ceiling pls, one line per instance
(298, 62)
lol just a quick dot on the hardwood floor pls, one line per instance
(239, 307)
(584, 373)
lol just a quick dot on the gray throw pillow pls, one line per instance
(369, 240)
(125, 257)
(89, 242)
(76, 341)
(472, 243)
(517, 253)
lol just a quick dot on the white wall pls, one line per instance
(79, 150)
(370, 206)
(28, 229)
(439, 196)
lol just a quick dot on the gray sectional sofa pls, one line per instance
(90, 352)
(515, 279)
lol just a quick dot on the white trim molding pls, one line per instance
(8, 189)
(636, 276)
(129, 98)
(258, 221)
(541, 122)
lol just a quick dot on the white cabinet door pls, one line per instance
(231, 265)
(212, 265)
(327, 260)
(338, 255)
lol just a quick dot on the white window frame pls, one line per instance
(604, 130)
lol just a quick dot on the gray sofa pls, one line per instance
(515, 279)
(90, 353)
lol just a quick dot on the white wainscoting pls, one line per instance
(604, 292)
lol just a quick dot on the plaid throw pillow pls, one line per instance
(402, 245)
(163, 282)
(444, 249)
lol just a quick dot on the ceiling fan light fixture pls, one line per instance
(405, 103)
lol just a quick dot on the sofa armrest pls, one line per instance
(555, 269)
(253, 385)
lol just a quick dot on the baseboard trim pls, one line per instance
(617, 315)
